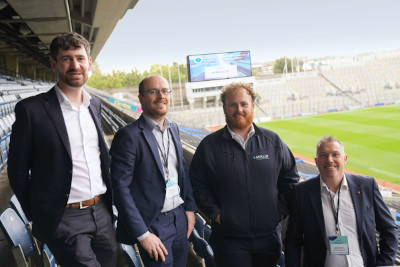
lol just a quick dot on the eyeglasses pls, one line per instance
(156, 91)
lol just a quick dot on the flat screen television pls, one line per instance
(219, 66)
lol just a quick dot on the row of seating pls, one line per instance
(5, 132)
(199, 238)
(131, 255)
(25, 248)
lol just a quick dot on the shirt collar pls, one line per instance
(343, 185)
(236, 136)
(153, 124)
(64, 100)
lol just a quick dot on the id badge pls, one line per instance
(339, 245)
(172, 189)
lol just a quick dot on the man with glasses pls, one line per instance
(150, 179)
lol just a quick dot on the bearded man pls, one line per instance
(242, 176)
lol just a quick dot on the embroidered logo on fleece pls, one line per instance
(261, 157)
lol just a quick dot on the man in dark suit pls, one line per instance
(152, 190)
(58, 162)
(335, 215)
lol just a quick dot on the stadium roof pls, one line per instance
(27, 27)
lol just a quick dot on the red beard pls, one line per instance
(239, 123)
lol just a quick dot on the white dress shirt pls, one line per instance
(87, 180)
(347, 225)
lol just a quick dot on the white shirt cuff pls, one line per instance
(140, 238)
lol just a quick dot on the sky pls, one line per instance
(163, 32)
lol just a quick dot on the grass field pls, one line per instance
(371, 138)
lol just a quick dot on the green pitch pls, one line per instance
(371, 138)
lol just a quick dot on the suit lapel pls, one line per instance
(316, 202)
(151, 141)
(354, 187)
(52, 106)
(175, 135)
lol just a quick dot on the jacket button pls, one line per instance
(66, 196)
(70, 172)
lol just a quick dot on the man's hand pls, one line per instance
(153, 245)
(218, 219)
(190, 222)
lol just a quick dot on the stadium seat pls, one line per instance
(48, 257)
(207, 232)
(200, 224)
(202, 249)
(281, 261)
(130, 255)
(194, 238)
(17, 236)
(4, 154)
(115, 212)
(16, 206)
(43, 251)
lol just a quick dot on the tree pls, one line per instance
(119, 78)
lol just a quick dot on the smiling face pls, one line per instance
(239, 109)
(155, 106)
(330, 161)
(72, 67)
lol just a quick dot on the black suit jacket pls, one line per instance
(306, 227)
(40, 163)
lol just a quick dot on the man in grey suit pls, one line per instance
(335, 215)
(58, 163)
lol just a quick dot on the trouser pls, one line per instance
(85, 237)
(171, 228)
(260, 251)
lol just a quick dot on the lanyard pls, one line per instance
(335, 211)
(164, 156)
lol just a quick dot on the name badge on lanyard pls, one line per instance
(339, 245)
(172, 189)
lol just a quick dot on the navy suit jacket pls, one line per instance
(40, 162)
(138, 179)
(306, 227)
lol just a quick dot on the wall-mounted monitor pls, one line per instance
(219, 66)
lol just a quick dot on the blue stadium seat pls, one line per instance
(194, 238)
(4, 154)
(200, 224)
(202, 249)
(48, 257)
(130, 255)
(281, 261)
(207, 232)
(17, 236)
(44, 252)
(16, 206)
(115, 212)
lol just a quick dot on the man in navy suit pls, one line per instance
(150, 179)
(58, 162)
(334, 217)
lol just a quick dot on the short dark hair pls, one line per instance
(67, 40)
(236, 86)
